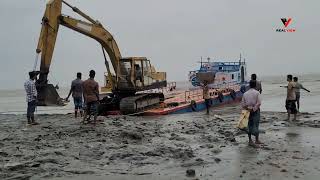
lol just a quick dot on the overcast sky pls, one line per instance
(173, 34)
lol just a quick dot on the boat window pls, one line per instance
(232, 76)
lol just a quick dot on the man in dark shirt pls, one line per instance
(206, 96)
(91, 96)
(76, 91)
(258, 83)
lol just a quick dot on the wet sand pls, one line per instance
(164, 147)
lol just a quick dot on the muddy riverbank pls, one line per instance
(163, 147)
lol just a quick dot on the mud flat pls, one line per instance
(186, 146)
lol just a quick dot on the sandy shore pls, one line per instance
(159, 147)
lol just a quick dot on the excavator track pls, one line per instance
(140, 102)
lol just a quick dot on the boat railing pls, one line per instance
(197, 94)
(224, 84)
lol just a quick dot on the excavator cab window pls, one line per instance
(147, 73)
(125, 70)
(125, 76)
(138, 68)
(146, 66)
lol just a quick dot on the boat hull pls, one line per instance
(200, 105)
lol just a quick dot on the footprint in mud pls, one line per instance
(132, 135)
(292, 134)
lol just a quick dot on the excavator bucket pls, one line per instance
(207, 77)
(48, 96)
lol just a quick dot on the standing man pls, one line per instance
(76, 91)
(291, 98)
(251, 101)
(91, 96)
(206, 95)
(138, 72)
(31, 93)
(298, 86)
(258, 83)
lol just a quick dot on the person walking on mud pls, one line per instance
(91, 97)
(31, 97)
(291, 98)
(206, 95)
(298, 86)
(251, 101)
(77, 91)
(258, 83)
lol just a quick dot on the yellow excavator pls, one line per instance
(132, 78)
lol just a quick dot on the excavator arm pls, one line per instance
(97, 32)
(47, 94)
(48, 36)
(51, 21)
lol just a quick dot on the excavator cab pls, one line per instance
(137, 74)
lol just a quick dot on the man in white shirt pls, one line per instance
(31, 97)
(251, 101)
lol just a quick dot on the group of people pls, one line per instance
(293, 95)
(251, 101)
(87, 90)
(85, 96)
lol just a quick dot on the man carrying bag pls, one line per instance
(251, 102)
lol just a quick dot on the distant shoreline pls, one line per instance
(261, 77)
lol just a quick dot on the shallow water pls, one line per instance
(274, 97)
